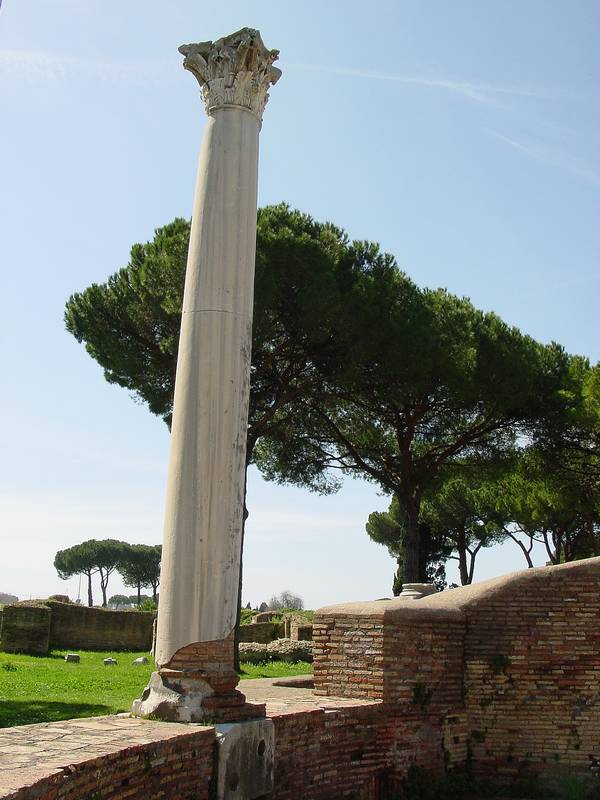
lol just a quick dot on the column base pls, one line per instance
(195, 696)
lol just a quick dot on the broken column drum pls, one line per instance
(205, 488)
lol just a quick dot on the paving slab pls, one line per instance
(290, 699)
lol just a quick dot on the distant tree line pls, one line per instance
(138, 565)
(476, 432)
(129, 600)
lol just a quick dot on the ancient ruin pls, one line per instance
(206, 480)
(502, 677)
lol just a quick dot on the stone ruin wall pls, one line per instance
(25, 629)
(39, 626)
(260, 632)
(267, 626)
(36, 626)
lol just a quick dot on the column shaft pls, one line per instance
(203, 518)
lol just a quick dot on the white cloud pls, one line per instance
(551, 156)
(273, 524)
(37, 66)
(479, 92)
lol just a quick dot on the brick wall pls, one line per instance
(423, 660)
(390, 651)
(25, 629)
(36, 627)
(357, 753)
(261, 632)
(75, 626)
(348, 651)
(512, 665)
(532, 671)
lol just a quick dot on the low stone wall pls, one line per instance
(25, 629)
(76, 626)
(37, 627)
(260, 632)
(291, 626)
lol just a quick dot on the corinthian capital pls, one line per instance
(236, 70)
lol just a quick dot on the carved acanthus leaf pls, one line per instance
(235, 70)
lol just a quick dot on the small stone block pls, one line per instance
(140, 660)
(109, 662)
(74, 657)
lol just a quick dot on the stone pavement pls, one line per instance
(31, 752)
(293, 696)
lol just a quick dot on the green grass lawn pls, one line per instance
(47, 688)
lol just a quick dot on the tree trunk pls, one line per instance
(139, 591)
(524, 550)
(412, 573)
(462, 558)
(103, 585)
(473, 555)
(154, 591)
(90, 598)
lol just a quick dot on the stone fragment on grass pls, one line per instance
(140, 660)
(109, 662)
(74, 657)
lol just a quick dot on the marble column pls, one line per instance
(205, 486)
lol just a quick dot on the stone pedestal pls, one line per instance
(205, 486)
(195, 696)
(414, 591)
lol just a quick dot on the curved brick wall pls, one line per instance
(513, 663)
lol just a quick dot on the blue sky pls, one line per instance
(464, 137)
